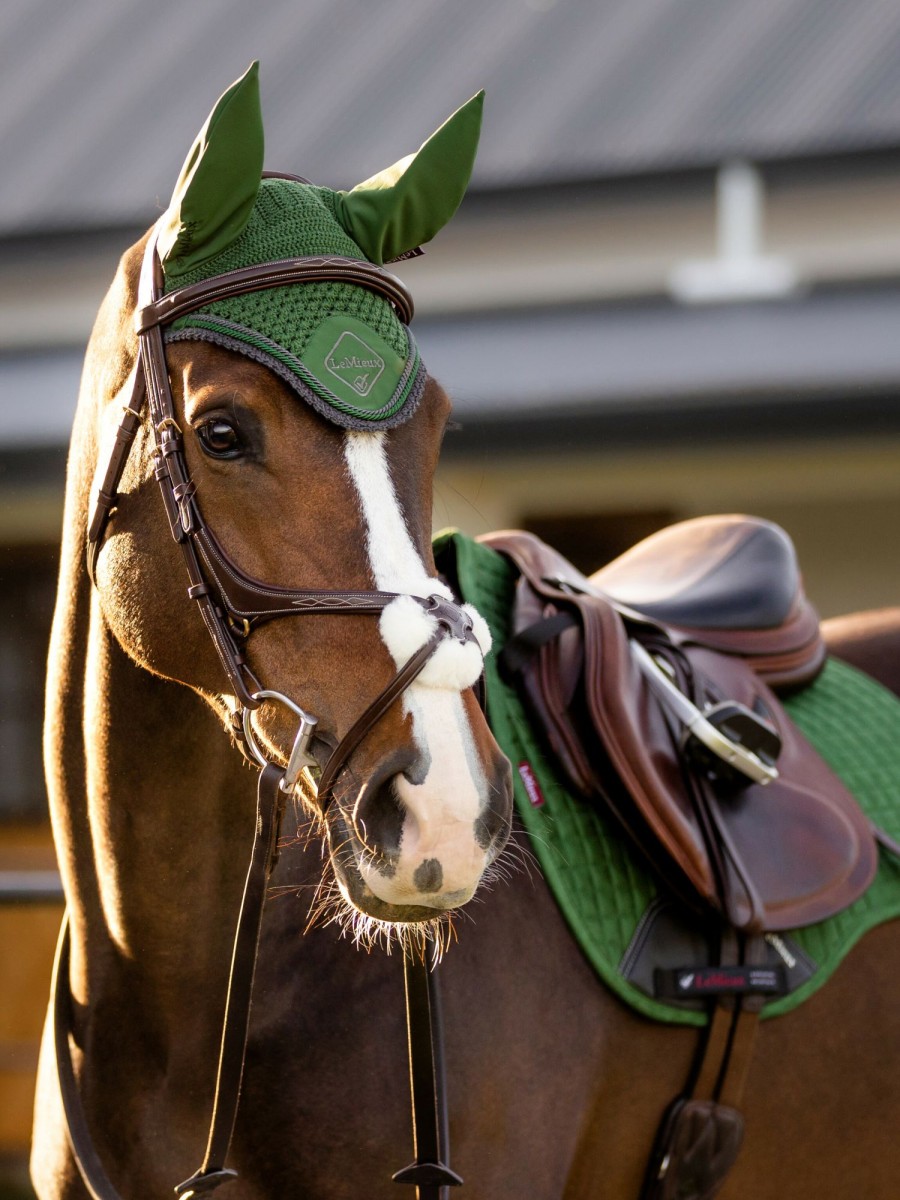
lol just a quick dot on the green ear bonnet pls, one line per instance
(339, 345)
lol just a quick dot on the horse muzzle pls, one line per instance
(407, 842)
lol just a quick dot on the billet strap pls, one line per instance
(430, 1170)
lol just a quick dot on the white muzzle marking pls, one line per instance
(440, 811)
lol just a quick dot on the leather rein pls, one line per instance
(232, 605)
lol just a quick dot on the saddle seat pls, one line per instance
(719, 572)
(730, 583)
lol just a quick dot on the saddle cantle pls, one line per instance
(717, 605)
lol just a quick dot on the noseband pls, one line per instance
(232, 605)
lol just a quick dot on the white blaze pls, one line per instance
(441, 810)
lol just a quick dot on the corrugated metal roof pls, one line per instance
(99, 101)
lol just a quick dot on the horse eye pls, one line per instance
(220, 439)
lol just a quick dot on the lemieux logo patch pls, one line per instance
(354, 363)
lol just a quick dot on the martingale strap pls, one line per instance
(269, 807)
(429, 1171)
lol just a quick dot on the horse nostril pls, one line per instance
(492, 823)
(379, 814)
(488, 827)
(429, 876)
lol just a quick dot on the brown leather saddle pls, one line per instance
(653, 682)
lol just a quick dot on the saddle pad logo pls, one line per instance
(354, 363)
(532, 787)
(720, 981)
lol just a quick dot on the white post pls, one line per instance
(740, 270)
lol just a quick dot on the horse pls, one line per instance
(555, 1087)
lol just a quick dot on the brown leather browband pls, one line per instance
(331, 269)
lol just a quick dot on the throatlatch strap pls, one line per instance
(269, 804)
(429, 1171)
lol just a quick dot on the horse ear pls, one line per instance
(217, 187)
(407, 204)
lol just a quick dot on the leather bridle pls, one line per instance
(232, 605)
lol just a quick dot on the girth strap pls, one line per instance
(702, 1130)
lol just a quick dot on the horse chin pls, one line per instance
(374, 893)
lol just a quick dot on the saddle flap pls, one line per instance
(641, 744)
(778, 856)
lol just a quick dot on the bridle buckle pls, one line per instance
(450, 616)
(300, 756)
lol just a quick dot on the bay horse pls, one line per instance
(556, 1088)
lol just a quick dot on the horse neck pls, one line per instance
(153, 815)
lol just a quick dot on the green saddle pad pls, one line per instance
(601, 885)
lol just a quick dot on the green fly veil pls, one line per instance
(342, 348)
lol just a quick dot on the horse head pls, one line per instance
(296, 433)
